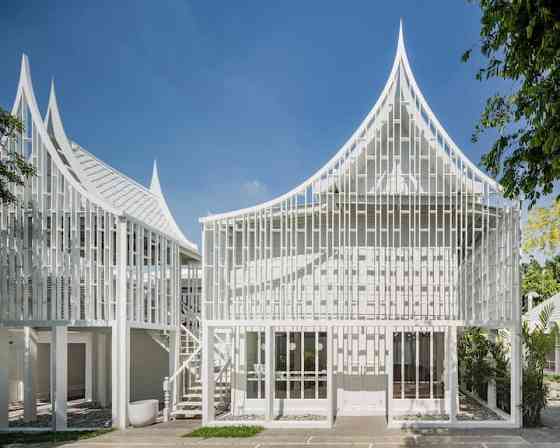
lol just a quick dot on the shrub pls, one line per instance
(537, 342)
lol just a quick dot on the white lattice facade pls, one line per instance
(370, 267)
(84, 247)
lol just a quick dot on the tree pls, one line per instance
(542, 231)
(539, 279)
(14, 169)
(538, 341)
(520, 40)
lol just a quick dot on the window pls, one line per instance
(418, 364)
(255, 347)
(301, 365)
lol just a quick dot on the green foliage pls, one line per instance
(538, 341)
(45, 437)
(540, 279)
(14, 169)
(225, 431)
(520, 40)
(542, 231)
(476, 366)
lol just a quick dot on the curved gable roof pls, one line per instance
(95, 180)
(401, 75)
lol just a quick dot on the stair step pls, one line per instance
(186, 413)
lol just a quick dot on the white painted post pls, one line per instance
(59, 376)
(389, 372)
(492, 383)
(452, 388)
(88, 369)
(29, 375)
(173, 362)
(121, 336)
(516, 377)
(557, 357)
(101, 370)
(4, 376)
(120, 389)
(269, 372)
(330, 376)
(207, 373)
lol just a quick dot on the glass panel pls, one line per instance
(281, 349)
(252, 350)
(424, 366)
(295, 389)
(397, 377)
(439, 356)
(309, 389)
(309, 352)
(281, 389)
(322, 347)
(410, 365)
(295, 352)
(322, 389)
(252, 389)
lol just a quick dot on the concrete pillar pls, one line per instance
(120, 372)
(120, 340)
(89, 368)
(174, 347)
(516, 377)
(101, 370)
(389, 369)
(4, 377)
(59, 376)
(269, 372)
(207, 373)
(452, 377)
(330, 376)
(29, 375)
(492, 383)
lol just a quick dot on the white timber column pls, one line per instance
(330, 376)
(207, 373)
(516, 377)
(101, 369)
(452, 378)
(29, 375)
(492, 383)
(121, 338)
(269, 372)
(557, 357)
(389, 370)
(59, 376)
(4, 376)
(88, 374)
(173, 361)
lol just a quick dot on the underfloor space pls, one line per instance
(81, 414)
(469, 410)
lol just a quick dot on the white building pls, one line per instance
(345, 295)
(88, 257)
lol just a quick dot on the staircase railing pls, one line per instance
(191, 347)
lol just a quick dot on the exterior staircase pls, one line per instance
(183, 390)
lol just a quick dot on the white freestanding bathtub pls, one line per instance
(143, 412)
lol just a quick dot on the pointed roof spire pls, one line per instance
(155, 186)
(400, 46)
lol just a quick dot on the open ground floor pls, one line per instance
(307, 374)
(80, 377)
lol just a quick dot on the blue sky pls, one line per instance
(238, 101)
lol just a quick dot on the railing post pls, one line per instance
(166, 409)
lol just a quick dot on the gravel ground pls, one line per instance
(80, 414)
